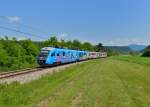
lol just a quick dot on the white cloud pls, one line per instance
(63, 35)
(13, 19)
(21, 38)
(126, 41)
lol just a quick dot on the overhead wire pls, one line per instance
(25, 26)
(18, 31)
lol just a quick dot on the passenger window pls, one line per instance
(57, 54)
(68, 54)
(53, 54)
(63, 53)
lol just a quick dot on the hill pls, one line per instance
(118, 49)
(136, 47)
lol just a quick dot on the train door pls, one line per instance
(53, 58)
(58, 57)
(69, 56)
(63, 59)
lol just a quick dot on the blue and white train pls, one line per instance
(56, 56)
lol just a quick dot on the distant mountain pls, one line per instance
(119, 49)
(136, 47)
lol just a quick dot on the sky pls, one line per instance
(111, 22)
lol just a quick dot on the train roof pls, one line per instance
(64, 49)
(48, 48)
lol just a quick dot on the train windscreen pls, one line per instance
(43, 54)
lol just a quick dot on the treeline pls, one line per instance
(20, 54)
(74, 44)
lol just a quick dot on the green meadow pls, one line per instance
(121, 81)
(134, 59)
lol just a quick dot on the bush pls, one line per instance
(17, 54)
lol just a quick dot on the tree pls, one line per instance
(87, 46)
(69, 44)
(62, 43)
(146, 52)
(76, 44)
(52, 42)
(3, 56)
(99, 47)
(30, 48)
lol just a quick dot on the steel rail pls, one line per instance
(18, 72)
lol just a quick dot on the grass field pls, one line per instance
(134, 59)
(109, 82)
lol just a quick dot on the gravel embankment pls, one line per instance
(24, 78)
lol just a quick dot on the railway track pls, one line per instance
(11, 74)
(18, 72)
(29, 74)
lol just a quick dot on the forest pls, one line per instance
(22, 54)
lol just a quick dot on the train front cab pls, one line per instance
(42, 57)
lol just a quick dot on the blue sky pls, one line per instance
(112, 22)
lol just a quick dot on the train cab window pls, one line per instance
(53, 54)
